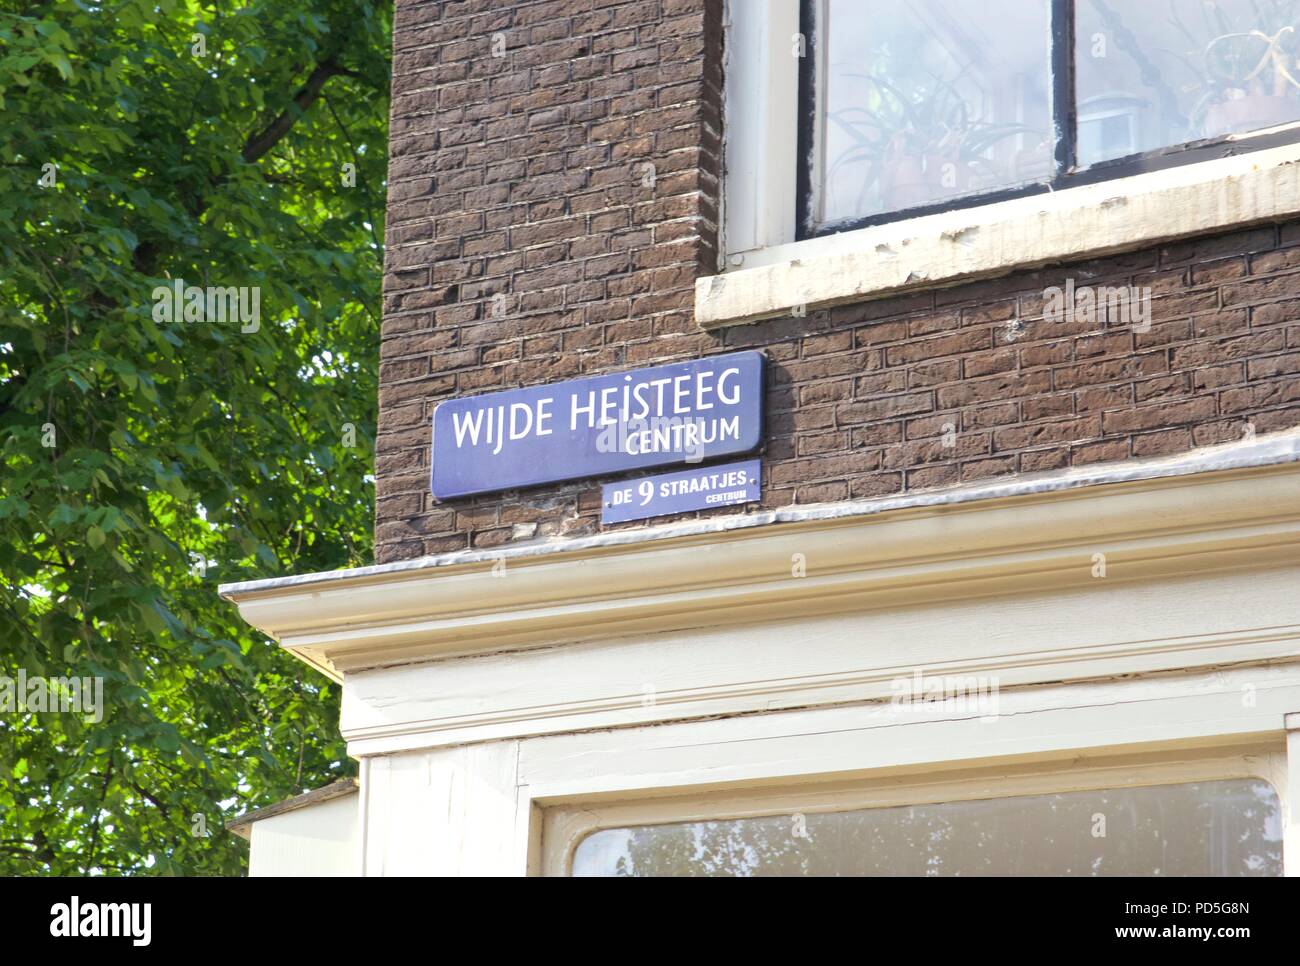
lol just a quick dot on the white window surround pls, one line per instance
(497, 719)
(520, 807)
(762, 103)
(767, 273)
(565, 826)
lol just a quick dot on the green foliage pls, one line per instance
(203, 142)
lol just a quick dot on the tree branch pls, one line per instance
(262, 142)
(99, 811)
(161, 806)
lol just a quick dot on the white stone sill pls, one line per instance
(958, 246)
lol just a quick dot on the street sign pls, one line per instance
(684, 412)
(702, 488)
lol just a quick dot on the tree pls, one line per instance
(166, 165)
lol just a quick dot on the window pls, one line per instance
(1215, 828)
(914, 106)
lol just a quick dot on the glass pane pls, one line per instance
(1222, 828)
(1150, 75)
(926, 100)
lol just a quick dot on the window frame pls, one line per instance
(565, 827)
(1068, 173)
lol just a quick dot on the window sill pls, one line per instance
(972, 243)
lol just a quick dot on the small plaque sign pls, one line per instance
(702, 488)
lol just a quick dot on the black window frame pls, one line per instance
(1068, 174)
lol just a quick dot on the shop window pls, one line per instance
(1209, 828)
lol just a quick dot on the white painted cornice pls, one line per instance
(1232, 508)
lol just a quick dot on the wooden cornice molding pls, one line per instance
(1146, 529)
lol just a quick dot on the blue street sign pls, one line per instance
(702, 488)
(685, 412)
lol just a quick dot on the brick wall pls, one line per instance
(529, 242)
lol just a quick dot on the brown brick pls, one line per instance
(1108, 451)
(1103, 397)
(1159, 415)
(988, 363)
(1038, 434)
(1261, 396)
(984, 469)
(1268, 289)
(1277, 313)
(1043, 460)
(933, 348)
(931, 477)
(999, 414)
(1216, 377)
(896, 405)
(1162, 443)
(1278, 365)
(1224, 350)
(940, 450)
(1162, 387)
(521, 177)
(1045, 407)
(994, 389)
(1110, 370)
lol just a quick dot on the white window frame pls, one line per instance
(762, 103)
(764, 272)
(565, 827)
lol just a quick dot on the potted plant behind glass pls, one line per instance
(1252, 97)
(918, 146)
(1248, 69)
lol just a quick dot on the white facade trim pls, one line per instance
(920, 557)
(821, 661)
(500, 718)
(520, 806)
